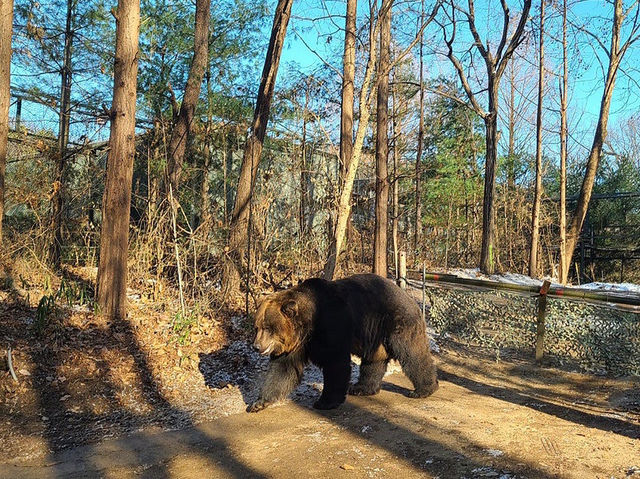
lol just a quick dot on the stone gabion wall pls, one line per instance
(592, 337)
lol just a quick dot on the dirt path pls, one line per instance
(501, 420)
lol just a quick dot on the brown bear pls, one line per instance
(325, 322)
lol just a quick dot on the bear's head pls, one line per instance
(281, 323)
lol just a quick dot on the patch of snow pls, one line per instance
(470, 273)
(236, 323)
(523, 279)
(494, 452)
(235, 365)
(612, 287)
(515, 278)
(485, 472)
(81, 308)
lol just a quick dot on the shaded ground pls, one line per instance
(174, 402)
(83, 378)
(486, 420)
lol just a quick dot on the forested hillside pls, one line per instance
(468, 160)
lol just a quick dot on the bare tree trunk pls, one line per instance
(537, 197)
(395, 195)
(346, 105)
(303, 170)
(239, 225)
(227, 165)
(563, 272)
(615, 56)
(182, 127)
(344, 201)
(348, 77)
(487, 253)
(511, 160)
(511, 154)
(6, 26)
(418, 191)
(382, 148)
(205, 209)
(57, 200)
(446, 239)
(112, 269)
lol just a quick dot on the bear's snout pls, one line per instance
(262, 344)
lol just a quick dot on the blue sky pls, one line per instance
(586, 57)
(318, 25)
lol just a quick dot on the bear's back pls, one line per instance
(369, 294)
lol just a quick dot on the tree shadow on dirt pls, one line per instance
(520, 373)
(67, 418)
(424, 448)
(519, 398)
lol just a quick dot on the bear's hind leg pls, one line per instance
(371, 374)
(417, 363)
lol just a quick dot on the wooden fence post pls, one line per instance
(542, 311)
(424, 292)
(402, 276)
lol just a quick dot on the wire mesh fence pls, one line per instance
(595, 338)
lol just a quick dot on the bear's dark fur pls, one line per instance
(325, 322)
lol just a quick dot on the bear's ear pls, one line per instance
(260, 297)
(290, 309)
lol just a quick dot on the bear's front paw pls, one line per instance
(323, 403)
(258, 405)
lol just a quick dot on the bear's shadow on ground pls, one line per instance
(239, 365)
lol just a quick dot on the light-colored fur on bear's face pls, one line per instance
(276, 333)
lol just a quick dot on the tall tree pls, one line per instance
(64, 115)
(615, 53)
(563, 272)
(395, 197)
(205, 208)
(116, 202)
(348, 77)
(380, 242)
(511, 152)
(346, 103)
(495, 64)
(344, 199)
(537, 197)
(364, 99)
(6, 26)
(304, 172)
(418, 172)
(184, 120)
(239, 224)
